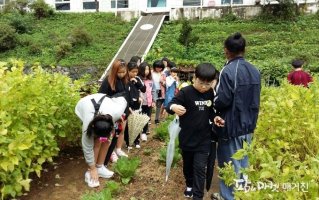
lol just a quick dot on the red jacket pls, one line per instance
(299, 77)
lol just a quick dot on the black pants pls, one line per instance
(194, 169)
(148, 111)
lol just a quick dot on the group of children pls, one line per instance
(142, 86)
(217, 108)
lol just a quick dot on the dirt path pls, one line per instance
(65, 179)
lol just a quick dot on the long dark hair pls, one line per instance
(92, 127)
(141, 71)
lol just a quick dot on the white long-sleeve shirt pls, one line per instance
(85, 111)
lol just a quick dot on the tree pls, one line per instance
(186, 38)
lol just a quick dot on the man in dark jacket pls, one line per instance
(237, 104)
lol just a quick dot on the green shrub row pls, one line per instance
(271, 46)
(285, 151)
(36, 113)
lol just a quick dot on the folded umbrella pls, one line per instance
(210, 164)
(173, 130)
(136, 122)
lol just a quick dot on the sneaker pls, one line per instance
(104, 172)
(188, 194)
(137, 146)
(114, 157)
(156, 121)
(143, 137)
(120, 153)
(89, 181)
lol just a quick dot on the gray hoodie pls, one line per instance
(85, 111)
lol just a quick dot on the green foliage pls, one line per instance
(113, 186)
(284, 10)
(103, 195)
(22, 23)
(17, 6)
(80, 36)
(126, 168)
(41, 9)
(186, 38)
(107, 33)
(62, 49)
(161, 131)
(33, 110)
(268, 43)
(285, 146)
(8, 37)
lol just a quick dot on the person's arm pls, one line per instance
(104, 87)
(224, 93)
(175, 106)
(140, 85)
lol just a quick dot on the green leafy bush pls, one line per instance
(36, 111)
(126, 168)
(161, 131)
(284, 10)
(62, 49)
(35, 49)
(41, 9)
(8, 37)
(285, 146)
(17, 6)
(22, 23)
(80, 36)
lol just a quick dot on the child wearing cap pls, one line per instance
(298, 76)
(96, 129)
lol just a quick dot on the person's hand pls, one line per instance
(133, 80)
(218, 121)
(94, 174)
(153, 104)
(178, 109)
(140, 100)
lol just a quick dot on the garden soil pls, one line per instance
(64, 179)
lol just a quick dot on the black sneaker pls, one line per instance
(188, 194)
(156, 122)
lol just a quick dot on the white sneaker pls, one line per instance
(120, 153)
(104, 172)
(114, 157)
(143, 137)
(137, 146)
(89, 181)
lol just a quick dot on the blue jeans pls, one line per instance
(225, 150)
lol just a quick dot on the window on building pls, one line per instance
(1, 2)
(90, 5)
(62, 4)
(234, 1)
(191, 2)
(120, 3)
